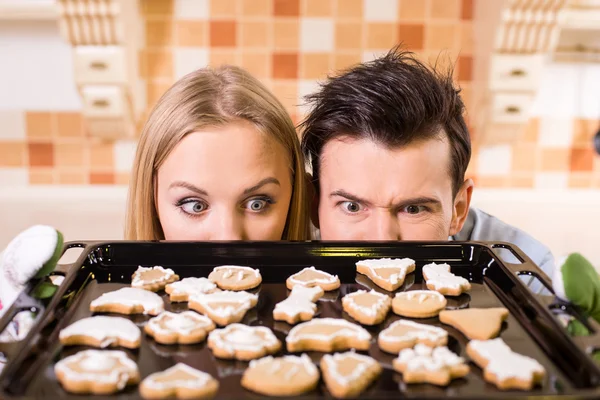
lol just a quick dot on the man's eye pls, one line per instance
(351, 206)
(257, 205)
(413, 210)
(194, 207)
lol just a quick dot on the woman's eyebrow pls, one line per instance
(188, 186)
(261, 184)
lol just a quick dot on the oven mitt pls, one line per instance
(576, 280)
(33, 253)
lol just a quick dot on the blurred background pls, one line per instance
(78, 78)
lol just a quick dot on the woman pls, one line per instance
(218, 159)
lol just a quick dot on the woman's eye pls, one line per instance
(194, 207)
(257, 205)
(351, 206)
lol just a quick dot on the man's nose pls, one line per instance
(385, 227)
(228, 226)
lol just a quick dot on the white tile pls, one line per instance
(589, 100)
(124, 153)
(188, 59)
(316, 34)
(370, 55)
(551, 180)
(13, 177)
(380, 10)
(559, 91)
(494, 160)
(305, 87)
(555, 132)
(191, 9)
(12, 124)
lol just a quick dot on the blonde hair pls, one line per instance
(210, 97)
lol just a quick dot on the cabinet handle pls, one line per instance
(517, 73)
(512, 110)
(99, 65)
(101, 103)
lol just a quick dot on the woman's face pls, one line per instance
(225, 183)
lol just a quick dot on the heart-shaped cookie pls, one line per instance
(418, 303)
(243, 342)
(387, 273)
(404, 334)
(184, 328)
(235, 277)
(282, 376)
(349, 374)
(96, 372)
(368, 308)
(102, 331)
(313, 277)
(180, 381)
(224, 307)
(327, 335)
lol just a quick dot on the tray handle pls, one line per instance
(591, 343)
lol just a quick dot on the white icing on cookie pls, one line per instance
(332, 361)
(302, 362)
(325, 278)
(210, 301)
(191, 286)
(350, 301)
(235, 337)
(388, 263)
(159, 381)
(107, 330)
(421, 295)
(129, 296)
(99, 366)
(240, 271)
(422, 332)
(183, 323)
(138, 282)
(301, 300)
(505, 363)
(346, 329)
(431, 359)
(439, 276)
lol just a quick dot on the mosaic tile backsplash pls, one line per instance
(289, 45)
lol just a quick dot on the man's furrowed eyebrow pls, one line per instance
(261, 184)
(188, 186)
(349, 196)
(417, 201)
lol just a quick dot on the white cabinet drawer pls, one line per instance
(516, 72)
(510, 108)
(100, 65)
(104, 101)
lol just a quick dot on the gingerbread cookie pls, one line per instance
(368, 308)
(348, 374)
(181, 382)
(503, 367)
(476, 323)
(299, 306)
(243, 342)
(96, 372)
(233, 277)
(425, 364)
(182, 290)
(313, 277)
(184, 328)
(327, 335)
(153, 278)
(101, 331)
(224, 307)
(387, 273)
(439, 278)
(403, 334)
(283, 376)
(129, 300)
(418, 303)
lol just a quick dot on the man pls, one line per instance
(389, 148)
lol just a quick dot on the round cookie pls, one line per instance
(184, 328)
(181, 382)
(283, 376)
(101, 331)
(368, 308)
(96, 372)
(153, 278)
(243, 342)
(418, 303)
(234, 277)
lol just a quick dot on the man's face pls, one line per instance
(370, 192)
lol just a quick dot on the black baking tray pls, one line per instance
(531, 329)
